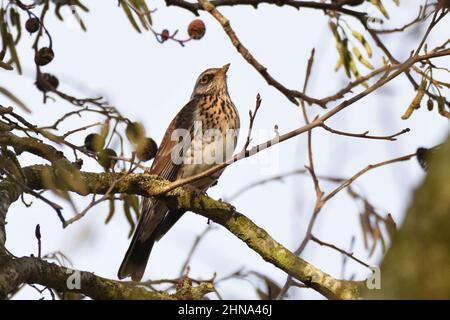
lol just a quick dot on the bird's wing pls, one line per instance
(153, 212)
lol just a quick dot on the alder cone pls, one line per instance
(47, 82)
(32, 25)
(135, 132)
(94, 142)
(165, 35)
(146, 149)
(44, 56)
(106, 158)
(196, 29)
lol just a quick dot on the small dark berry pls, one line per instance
(196, 29)
(106, 158)
(44, 56)
(165, 35)
(94, 142)
(146, 149)
(46, 82)
(32, 25)
(135, 132)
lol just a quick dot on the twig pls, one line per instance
(292, 95)
(365, 134)
(363, 171)
(37, 195)
(68, 133)
(315, 123)
(332, 246)
(252, 116)
(194, 247)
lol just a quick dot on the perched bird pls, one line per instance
(202, 134)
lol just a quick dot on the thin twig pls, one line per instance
(332, 246)
(365, 134)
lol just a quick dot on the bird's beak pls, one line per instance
(225, 68)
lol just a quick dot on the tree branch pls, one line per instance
(16, 271)
(189, 199)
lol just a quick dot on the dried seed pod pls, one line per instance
(32, 25)
(94, 142)
(358, 36)
(46, 82)
(361, 59)
(135, 132)
(146, 149)
(430, 104)
(441, 105)
(196, 29)
(415, 104)
(165, 35)
(106, 158)
(44, 56)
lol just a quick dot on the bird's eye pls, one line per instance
(206, 78)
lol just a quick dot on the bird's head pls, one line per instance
(212, 81)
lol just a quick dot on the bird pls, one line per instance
(202, 134)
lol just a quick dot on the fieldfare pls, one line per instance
(202, 134)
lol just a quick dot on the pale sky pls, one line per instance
(150, 82)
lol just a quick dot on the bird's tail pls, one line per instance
(136, 258)
(154, 222)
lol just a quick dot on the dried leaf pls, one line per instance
(415, 104)
(380, 6)
(129, 15)
(363, 41)
(112, 209)
(361, 59)
(127, 211)
(441, 107)
(16, 100)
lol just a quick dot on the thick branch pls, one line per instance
(195, 7)
(15, 272)
(220, 212)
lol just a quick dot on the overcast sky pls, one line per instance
(150, 82)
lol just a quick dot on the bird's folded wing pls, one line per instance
(153, 212)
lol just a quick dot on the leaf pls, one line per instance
(15, 19)
(16, 100)
(4, 34)
(361, 59)
(13, 52)
(380, 6)
(127, 211)
(338, 64)
(5, 66)
(391, 227)
(112, 209)
(137, 5)
(344, 55)
(441, 105)
(333, 28)
(104, 131)
(363, 41)
(353, 67)
(134, 203)
(129, 15)
(146, 10)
